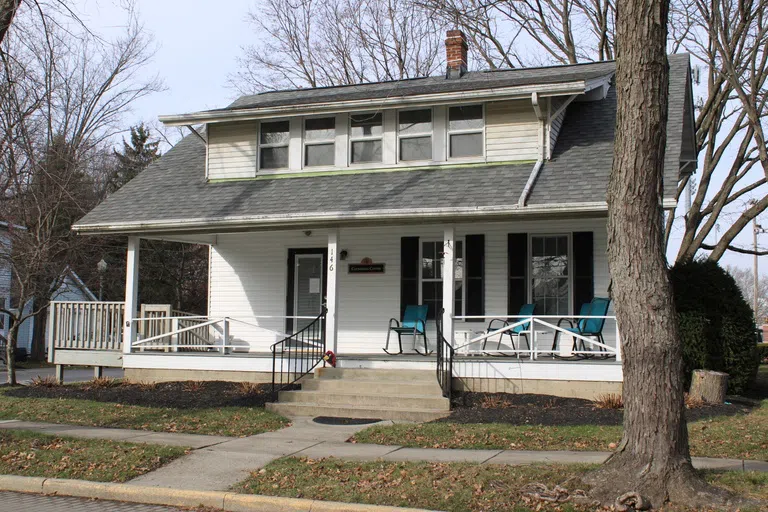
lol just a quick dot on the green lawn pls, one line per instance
(438, 486)
(224, 421)
(740, 437)
(31, 454)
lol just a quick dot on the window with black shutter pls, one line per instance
(583, 269)
(517, 258)
(475, 276)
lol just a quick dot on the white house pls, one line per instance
(486, 187)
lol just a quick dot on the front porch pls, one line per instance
(267, 286)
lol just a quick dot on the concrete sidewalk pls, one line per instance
(217, 463)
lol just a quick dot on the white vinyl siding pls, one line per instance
(249, 277)
(232, 150)
(511, 131)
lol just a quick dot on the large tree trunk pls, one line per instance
(653, 458)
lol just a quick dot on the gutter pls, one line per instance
(253, 113)
(542, 151)
(334, 218)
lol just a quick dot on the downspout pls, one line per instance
(542, 151)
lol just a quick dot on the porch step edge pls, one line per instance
(384, 413)
(409, 402)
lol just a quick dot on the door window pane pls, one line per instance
(416, 148)
(465, 117)
(274, 157)
(466, 144)
(550, 287)
(319, 154)
(366, 151)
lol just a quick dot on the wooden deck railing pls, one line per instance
(86, 325)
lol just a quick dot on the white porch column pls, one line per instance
(448, 283)
(131, 293)
(332, 296)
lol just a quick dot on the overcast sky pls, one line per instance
(198, 42)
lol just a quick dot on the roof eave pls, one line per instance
(289, 221)
(245, 114)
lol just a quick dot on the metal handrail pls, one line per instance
(445, 353)
(298, 354)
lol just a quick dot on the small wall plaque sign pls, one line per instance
(366, 266)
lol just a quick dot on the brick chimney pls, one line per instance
(455, 53)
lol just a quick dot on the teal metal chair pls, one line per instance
(414, 322)
(587, 327)
(520, 331)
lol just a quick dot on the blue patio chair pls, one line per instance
(519, 331)
(414, 323)
(587, 327)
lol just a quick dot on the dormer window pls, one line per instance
(319, 141)
(415, 134)
(273, 145)
(365, 136)
(465, 131)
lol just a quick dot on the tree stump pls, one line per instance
(709, 386)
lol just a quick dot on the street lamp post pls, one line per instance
(101, 266)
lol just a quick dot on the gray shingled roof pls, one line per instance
(429, 85)
(583, 156)
(174, 188)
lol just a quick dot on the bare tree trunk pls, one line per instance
(8, 10)
(10, 354)
(653, 458)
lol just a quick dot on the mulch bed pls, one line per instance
(177, 395)
(528, 409)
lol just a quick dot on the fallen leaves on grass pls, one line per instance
(31, 454)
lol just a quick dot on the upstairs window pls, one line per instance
(319, 141)
(273, 145)
(415, 134)
(365, 132)
(465, 131)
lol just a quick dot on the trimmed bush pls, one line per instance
(716, 323)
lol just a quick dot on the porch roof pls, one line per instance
(172, 195)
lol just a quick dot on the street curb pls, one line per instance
(228, 501)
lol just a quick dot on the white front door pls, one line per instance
(308, 288)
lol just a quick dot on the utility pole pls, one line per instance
(756, 228)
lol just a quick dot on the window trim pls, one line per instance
(351, 139)
(449, 132)
(529, 278)
(463, 279)
(260, 145)
(319, 142)
(400, 136)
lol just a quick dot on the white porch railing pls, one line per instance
(85, 325)
(541, 332)
(200, 333)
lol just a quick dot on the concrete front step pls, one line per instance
(373, 387)
(382, 413)
(410, 402)
(427, 376)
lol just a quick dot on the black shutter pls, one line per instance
(409, 272)
(474, 266)
(517, 256)
(583, 269)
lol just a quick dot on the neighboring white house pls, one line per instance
(486, 187)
